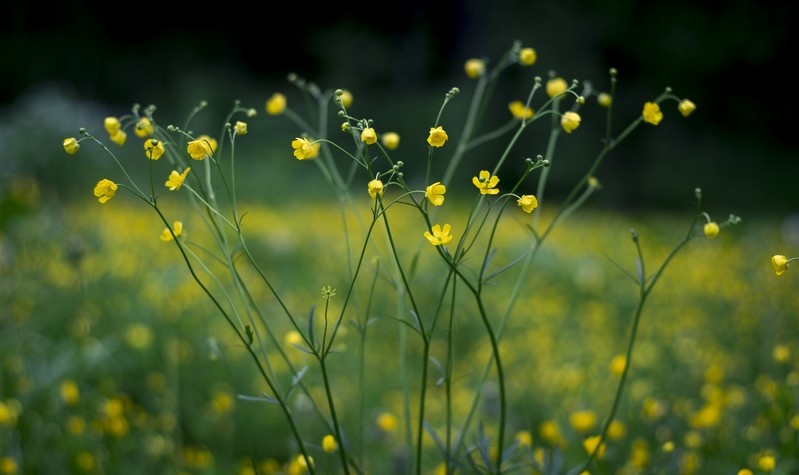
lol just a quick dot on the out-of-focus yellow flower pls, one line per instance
(75, 425)
(528, 203)
(693, 439)
(474, 68)
(766, 463)
(8, 466)
(668, 447)
(519, 111)
(105, 190)
(440, 235)
(329, 444)
(154, 148)
(139, 335)
(435, 193)
(9, 411)
(375, 188)
(616, 430)
(604, 99)
(144, 128)
(368, 136)
(387, 421)
(653, 409)
(390, 140)
(781, 353)
(590, 444)
(711, 230)
(437, 137)
(556, 87)
(71, 145)
(346, 98)
(686, 107)
(276, 104)
(525, 438)
(582, 421)
(527, 56)
(708, 415)
(486, 183)
(177, 229)
(299, 466)
(119, 137)
(112, 125)
(639, 455)
(570, 121)
(550, 432)
(714, 374)
(652, 114)
(303, 149)
(222, 402)
(69, 392)
(292, 338)
(779, 263)
(744, 471)
(176, 179)
(240, 128)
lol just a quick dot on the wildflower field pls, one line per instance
(379, 311)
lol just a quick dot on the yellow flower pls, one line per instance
(375, 188)
(390, 140)
(519, 111)
(570, 121)
(527, 56)
(440, 236)
(686, 107)
(781, 353)
(486, 183)
(112, 125)
(368, 136)
(766, 463)
(616, 430)
(240, 128)
(668, 447)
(437, 137)
(154, 148)
(69, 392)
(556, 87)
(177, 228)
(276, 104)
(292, 338)
(329, 444)
(105, 190)
(590, 443)
(119, 137)
(346, 98)
(711, 230)
(144, 128)
(528, 203)
(652, 114)
(435, 193)
(474, 68)
(387, 421)
(303, 149)
(8, 466)
(604, 99)
(176, 179)
(780, 264)
(617, 364)
(71, 145)
(744, 471)
(525, 438)
(582, 421)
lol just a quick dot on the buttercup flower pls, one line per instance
(486, 183)
(766, 463)
(556, 87)
(387, 421)
(303, 149)
(780, 264)
(440, 235)
(144, 128)
(240, 128)
(112, 125)
(71, 145)
(154, 149)
(105, 190)
(368, 136)
(435, 193)
(474, 68)
(528, 203)
(711, 230)
(176, 179)
(519, 111)
(570, 121)
(590, 443)
(527, 56)
(686, 107)
(604, 99)
(329, 444)
(582, 421)
(202, 147)
(346, 98)
(119, 137)
(177, 228)
(525, 438)
(652, 114)
(437, 137)
(276, 104)
(375, 188)
(390, 140)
